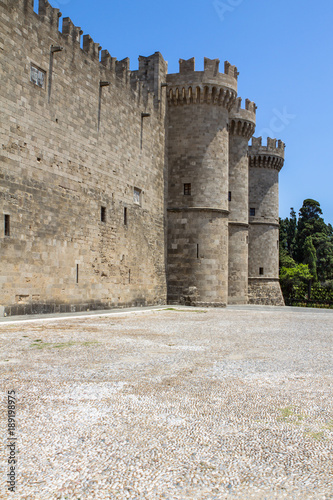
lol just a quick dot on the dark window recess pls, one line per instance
(7, 225)
(77, 273)
(129, 276)
(187, 189)
(261, 271)
(103, 214)
(229, 196)
(252, 212)
(125, 216)
(197, 251)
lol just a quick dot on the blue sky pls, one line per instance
(283, 50)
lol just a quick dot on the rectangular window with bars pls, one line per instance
(37, 76)
(187, 189)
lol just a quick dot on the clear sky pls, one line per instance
(283, 50)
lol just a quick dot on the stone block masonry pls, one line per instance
(122, 187)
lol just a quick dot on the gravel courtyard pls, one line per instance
(184, 403)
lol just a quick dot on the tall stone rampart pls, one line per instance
(82, 169)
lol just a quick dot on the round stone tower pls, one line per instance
(198, 156)
(241, 128)
(265, 163)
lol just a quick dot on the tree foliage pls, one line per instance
(307, 242)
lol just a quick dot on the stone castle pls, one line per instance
(123, 188)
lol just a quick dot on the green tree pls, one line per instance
(310, 257)
(294, 281)
(311, 224)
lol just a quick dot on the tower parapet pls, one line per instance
(270, 156)
(208, 86)
(243, 121)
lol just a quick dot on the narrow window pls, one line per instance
(229, 196)
(7, 225)
(77, 273)
(125, 216)
(187, 189)
(129, 276)
(37, 76)
(252, 212)
(197, 250)
(137, 196)
(103, 214)
(261, 271)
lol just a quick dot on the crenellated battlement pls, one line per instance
(49, 12)
(198, 87)
(270, 156)
(209, 85)
(143, 83)
(71, 31)
(243, 120)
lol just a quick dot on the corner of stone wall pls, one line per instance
(265, 292)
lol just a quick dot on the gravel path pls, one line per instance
(202, 404)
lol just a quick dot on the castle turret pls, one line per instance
(241, 128)
(265, 163)
(199, 105)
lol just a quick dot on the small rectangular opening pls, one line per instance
(252, 212)
(125, 216)
(261, 271)
(137, 196)
(7, 225)
(103, 214)
(187, 189)
(77, 273)
(129, 276)
(229, 196)
(197, 250)
(37, 76)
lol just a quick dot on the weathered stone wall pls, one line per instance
(265, 291)
(69, 148)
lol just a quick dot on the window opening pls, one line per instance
(7, 225)
(37, 76)
(103, 214)
(125, 216)
(137, 196)
(261, 271)
(187, 189)
(252, 212)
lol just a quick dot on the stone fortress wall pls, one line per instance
(85, 139)
(123, 187)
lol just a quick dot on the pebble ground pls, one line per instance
(171, 404)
